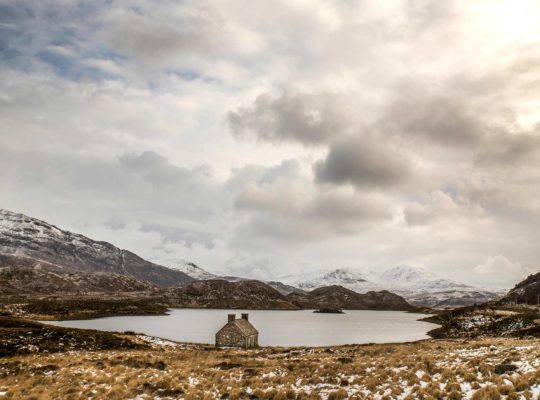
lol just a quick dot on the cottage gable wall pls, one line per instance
(237, 333)
(230, 335)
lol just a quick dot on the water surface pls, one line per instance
(276, 328)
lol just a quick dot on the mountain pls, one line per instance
(423, 288)
(419, 287)
(26, 276)
(222, 294)
(345, 277)
(342, 298)
(406, 277)
(22, 236)
(201, 274)
(193, 270)
(525, 292)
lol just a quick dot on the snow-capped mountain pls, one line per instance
(418, 286)
(25, 237)
(348, 278)
(192, 270)
(201, 274)
(410, 278)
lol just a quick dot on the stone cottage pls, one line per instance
(237, 333)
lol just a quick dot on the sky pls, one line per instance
(271, 138)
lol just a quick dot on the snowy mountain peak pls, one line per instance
(345, 274)
(418, 279)
(404, 274)
(419, 286)
(192, 270)
(349, 278)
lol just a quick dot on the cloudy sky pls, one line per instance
(266, 138)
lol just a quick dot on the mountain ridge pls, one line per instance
(21, 235)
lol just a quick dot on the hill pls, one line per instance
(340, 297)
(515, 315)
(26, 276)
(30, 238)
(525, 292)
(222, 294)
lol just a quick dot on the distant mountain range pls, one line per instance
(40, 259)
(419, 287)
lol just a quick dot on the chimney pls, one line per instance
(245, 316)
(231, 317)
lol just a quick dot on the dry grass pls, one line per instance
(424, 370)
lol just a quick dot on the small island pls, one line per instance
(329, 311)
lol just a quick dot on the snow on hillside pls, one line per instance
(192, 270)
(348, 278)
(23, 236)
(410, 278)
(417, 285)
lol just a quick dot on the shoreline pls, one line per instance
(74, 363)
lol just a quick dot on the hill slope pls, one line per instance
(25, 276)
(22, 236)
(222, 294)
(340, 297)
(527, 291)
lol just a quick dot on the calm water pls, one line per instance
(276, 328)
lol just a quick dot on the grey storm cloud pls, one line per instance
(287, 207)
(509, 149)
(172, 234)
(292, 117)
(448, 121)
(363, 162)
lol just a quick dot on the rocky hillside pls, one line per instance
(340, 297)
(26, 276)
(22, 236)
(515, 315)
(486, 321)
(525, 292)
(283, 288)
(222, 294)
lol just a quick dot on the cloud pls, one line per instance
(117, 117)
(508, 149)
(172, 234)
(289, 207)
(500, 271)
(364, 161)
(440, 207)
(150, 33)
(446, 121)
(115, 223)
(293, 117)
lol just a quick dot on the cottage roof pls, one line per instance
(245, 327)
